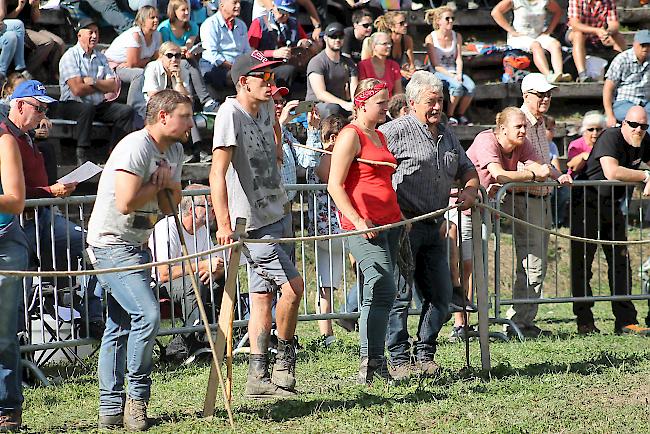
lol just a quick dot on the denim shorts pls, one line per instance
(270, 264)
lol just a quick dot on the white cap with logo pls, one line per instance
(535, 82)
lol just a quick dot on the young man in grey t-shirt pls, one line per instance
(245, 182)
(130, 196)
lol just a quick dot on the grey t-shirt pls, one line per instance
(253, 180)
(137, 154)
(336, 74)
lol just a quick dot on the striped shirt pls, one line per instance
(536, 134)
(631, 77)
(428, 165)
(77, 63)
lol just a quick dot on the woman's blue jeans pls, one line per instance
(377, 259)
(131, 328)
(13, 256)
(12, 46)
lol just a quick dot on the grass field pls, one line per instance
(565, 383)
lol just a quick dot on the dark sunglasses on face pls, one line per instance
(43, 109)
(401, 23)
(450, 19)
(541, 95)
(594, 129)
(366, 25)
(176, 56)
(633, 125)
(264, 75)
(336, 37)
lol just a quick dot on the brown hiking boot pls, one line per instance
(401, 371)
(371, 368)
(258, 383)
(428, 368)
(587, 329)
(284, 368)
(135, 415)
(11, 421)
(110, 421)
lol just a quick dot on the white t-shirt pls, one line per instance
(529, 17)
(136, 153)
(165, 243)
(132, 38)
(155, 78)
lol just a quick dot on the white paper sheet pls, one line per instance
(81, 173)
(52, 4)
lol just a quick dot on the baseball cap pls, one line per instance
(283, 90)
(34, 89)
(83, 23)
(289, 6)
(250, 62)
(334, 29)
(642, 36)
(535, 82)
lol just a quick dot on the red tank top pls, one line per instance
(369, 186)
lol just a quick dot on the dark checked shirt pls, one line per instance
(427, 165)
(631, 77)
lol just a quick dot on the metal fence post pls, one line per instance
(481, 289)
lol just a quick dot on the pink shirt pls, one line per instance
(485, 150)
(577, 147)
(391, 73)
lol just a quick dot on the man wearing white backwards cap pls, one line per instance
(532, 204)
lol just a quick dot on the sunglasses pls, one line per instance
(594, 129)
(634, 125)
(365, 25)
(401, 23)
(450, 19)
(264, 75)
(388, 44)
(541, 95)
(43, 109)
(336, 37)
(176, 56)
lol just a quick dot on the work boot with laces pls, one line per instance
(284, 368)
(258, 383)
(371, 368)
(135, 415)
(11, 421)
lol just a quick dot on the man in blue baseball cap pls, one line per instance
(29, 105)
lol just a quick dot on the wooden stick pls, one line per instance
(199, 301)
(226, 317)
(360, 160)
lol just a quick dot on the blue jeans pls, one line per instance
(457, 88)
(377, 259)
(621, 107)
(112, 14)
(13, 256)
(433, 280)
(12, 46)
(63, 229)
(216, 76)
(131, 328)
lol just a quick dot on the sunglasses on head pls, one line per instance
(594, 129)
(43, 109)
(633, 125)
(541, 95)
(176, 56)
(387, 43)
(264, 75)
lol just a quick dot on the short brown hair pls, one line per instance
(332, 125)
(166, 100)
(396, 103)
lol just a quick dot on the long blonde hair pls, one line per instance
(386, 23)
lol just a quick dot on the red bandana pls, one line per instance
(364, 96)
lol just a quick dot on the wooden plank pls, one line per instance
(226, 314)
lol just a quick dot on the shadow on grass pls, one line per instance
(595, 365)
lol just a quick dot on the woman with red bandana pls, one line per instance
(363, 192)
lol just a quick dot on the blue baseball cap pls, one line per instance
(642, 36)
(34, 89)
(288, 6)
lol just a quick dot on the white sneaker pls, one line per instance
(554, 77)
(452, 121)
(472, 5)
(416, 6)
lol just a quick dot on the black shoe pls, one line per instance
(95, 330)
(458, 299)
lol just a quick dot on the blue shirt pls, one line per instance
(222, 44)
(165, 30)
